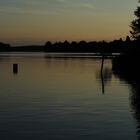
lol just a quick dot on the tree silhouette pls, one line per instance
(135, 25)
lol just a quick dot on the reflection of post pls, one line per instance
(103, 87)
(15, 68)
(102, 77)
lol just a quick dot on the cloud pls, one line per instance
(15, 10)
(45, 7)
(42, 7)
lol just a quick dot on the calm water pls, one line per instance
(54, 97)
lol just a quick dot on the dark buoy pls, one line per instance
(15, 68)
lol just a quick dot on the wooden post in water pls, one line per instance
(102, 65)
(15, 68)
(102, 76)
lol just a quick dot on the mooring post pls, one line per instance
(102, 65)
(15, 68)
(102, 76)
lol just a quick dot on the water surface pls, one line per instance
(66, 98)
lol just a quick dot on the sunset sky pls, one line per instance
(37, 21)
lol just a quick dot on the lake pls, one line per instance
(66, 97)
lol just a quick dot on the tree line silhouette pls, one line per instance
(4, 47)
(115, 46)
(129, 61)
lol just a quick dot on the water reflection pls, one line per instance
(104, 76)
(133, 80)
(59, 98)
(135, 104)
